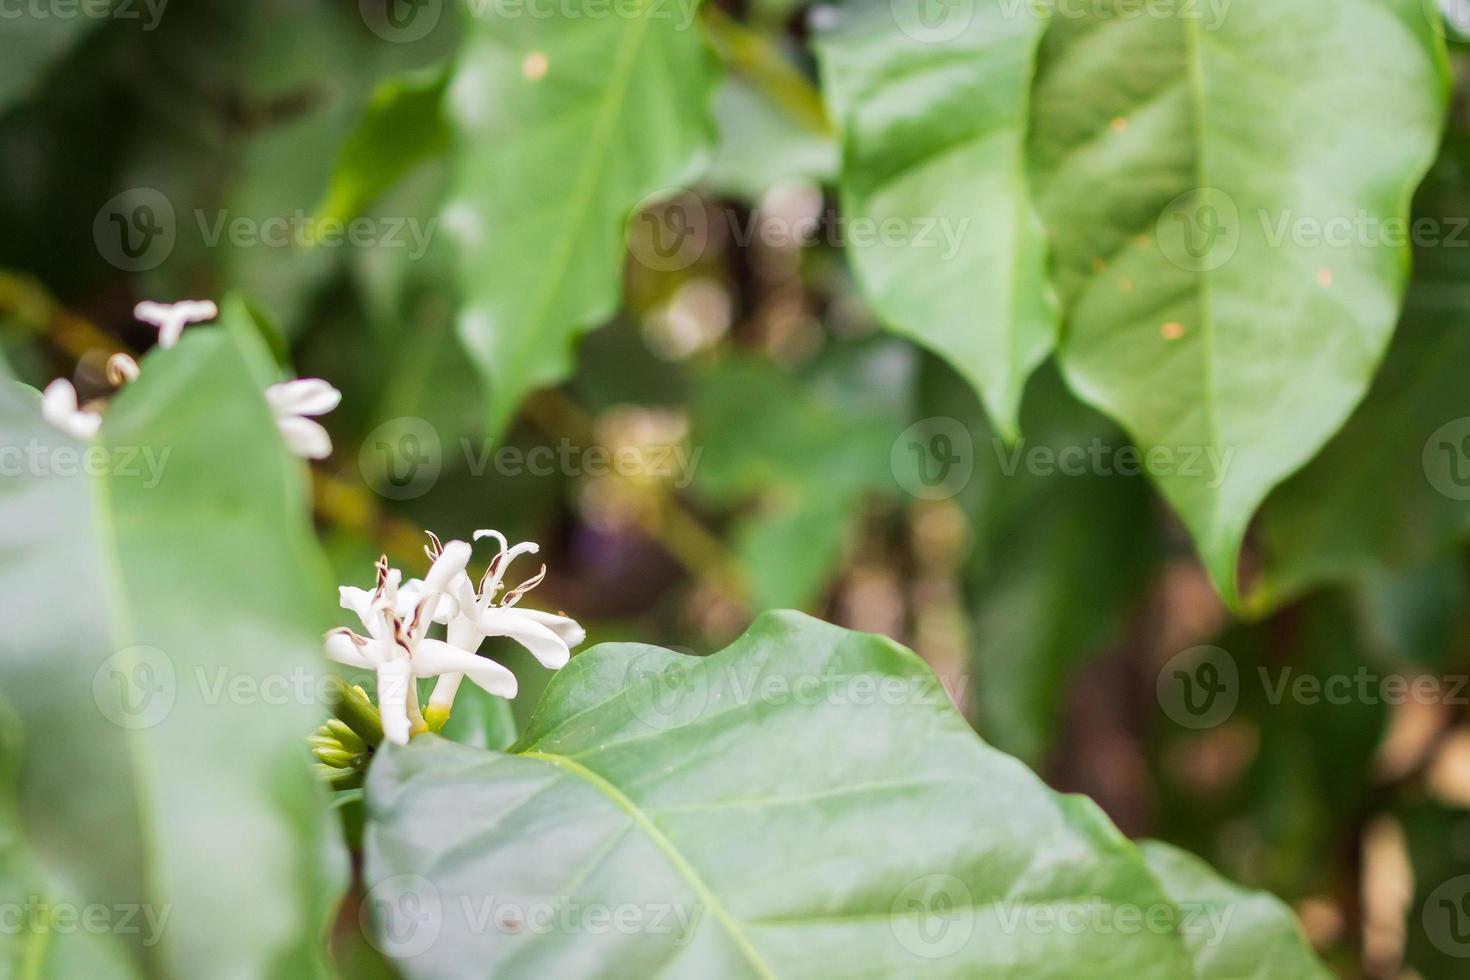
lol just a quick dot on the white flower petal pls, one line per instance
(171, 318)
(304, 396)
(305, 438)
(451, 562)
(59, 407)
(341, 648)
(58, 401)
(489, 533)
(570, 631)
(435, 657)
(359, 601)
(544, 644)
(395, 684)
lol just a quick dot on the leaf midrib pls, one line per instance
(669, 850)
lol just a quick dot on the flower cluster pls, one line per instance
(397, 615)
(291, 402)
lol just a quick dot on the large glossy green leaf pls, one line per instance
(163, 608)
(934, 118)
(1392, 489)
(1261, 937)
(805, 803)
(562, 125)
(1215, 181)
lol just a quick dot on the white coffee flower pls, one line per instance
(59, 407)
(398, 651)
(172, 318)
(397, 615)
(474, 616)
(291, 402)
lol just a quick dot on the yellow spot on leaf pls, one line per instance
(1172, 330)
(1324, 277)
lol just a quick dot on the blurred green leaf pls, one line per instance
(1202, 312)
(757, 823)
(760, 144)
(1060, 559)
(562, 126)
(156, 612)
(934, 133)
(807, 451)
(1437, 920)
(402, 127)
(34, 40)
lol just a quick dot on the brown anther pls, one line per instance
(382, 569)
(514, 595)
(434, 548)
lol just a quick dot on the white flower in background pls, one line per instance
(291, 402)
(476, 615)
(397, 616)
(172, 318)
(59, 407)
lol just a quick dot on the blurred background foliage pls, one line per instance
(1047, 603)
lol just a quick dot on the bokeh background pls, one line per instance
(742, 436)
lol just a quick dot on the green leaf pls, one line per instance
(761, 144)
(31, 945)
(804, 803)
(1232, 933)
(163, 632)
(1181, 164)
(402, 127)
(30, 45)
(807, 452)
(1061, 557)
(562, 126)
(1328, 523)
(934, 126)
